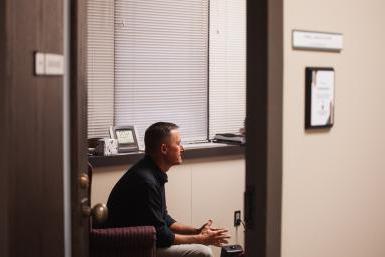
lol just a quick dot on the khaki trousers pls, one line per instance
(190, 250)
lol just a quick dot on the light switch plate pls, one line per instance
(39, 63)
(54, 64)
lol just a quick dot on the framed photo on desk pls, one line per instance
(126, 136)
(319, 102)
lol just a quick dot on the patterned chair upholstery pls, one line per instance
(119, 242)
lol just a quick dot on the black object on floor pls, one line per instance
(231, 251)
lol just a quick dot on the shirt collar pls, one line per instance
(160, 176)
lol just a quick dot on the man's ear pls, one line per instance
(163, 148)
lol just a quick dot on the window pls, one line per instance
(166, 60)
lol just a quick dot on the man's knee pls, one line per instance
(203, 251)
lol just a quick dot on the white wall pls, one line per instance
(333, 181)
(197, 190)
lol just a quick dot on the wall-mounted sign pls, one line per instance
(308, 40)
(319, 104)
(48, 64)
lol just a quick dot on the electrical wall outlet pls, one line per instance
(237, 218)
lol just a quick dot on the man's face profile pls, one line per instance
(173, 149)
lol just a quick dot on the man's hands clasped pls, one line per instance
(212, 236)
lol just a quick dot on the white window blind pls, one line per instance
(148, 61)
(227, 85)
(100, 66)
(161, 65)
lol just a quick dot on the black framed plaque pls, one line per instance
(319, 102)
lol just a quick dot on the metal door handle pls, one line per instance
(99, 212)
(84, 181)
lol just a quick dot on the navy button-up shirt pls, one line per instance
(138, 199)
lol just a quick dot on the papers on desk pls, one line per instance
(229, 137)
(203, 145)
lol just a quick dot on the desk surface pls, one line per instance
(194, 151)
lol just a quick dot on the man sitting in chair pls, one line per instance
(138, 198)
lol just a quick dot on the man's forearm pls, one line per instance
(207, 236)
(182, 229)
(187, 239)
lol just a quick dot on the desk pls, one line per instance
(192, 151)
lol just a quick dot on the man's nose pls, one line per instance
(181, 148)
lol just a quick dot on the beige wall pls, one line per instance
(196, 191)
(334, 181)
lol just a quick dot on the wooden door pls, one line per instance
(31, 127)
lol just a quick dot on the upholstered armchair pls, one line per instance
(121, 242)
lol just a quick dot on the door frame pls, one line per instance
(4, 129)
(78, 125)
(264, 128)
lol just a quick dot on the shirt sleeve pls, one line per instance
(169, 220)
(165, 237)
